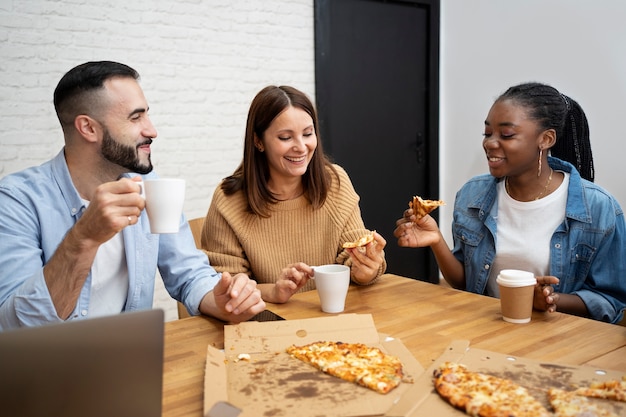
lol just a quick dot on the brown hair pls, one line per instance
(253, 173)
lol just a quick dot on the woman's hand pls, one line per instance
(412, 234)
(545, 299)
(291, 279)
(366, 263)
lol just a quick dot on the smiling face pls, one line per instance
(289, 144)
(512, 140)
(127, 128)
(135, 158)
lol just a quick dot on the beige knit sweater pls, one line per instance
(238, 241)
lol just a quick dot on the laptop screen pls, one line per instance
(105, 366)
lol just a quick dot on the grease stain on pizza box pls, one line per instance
(536, 376)
(257, 376)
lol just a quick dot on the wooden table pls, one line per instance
(426, 317)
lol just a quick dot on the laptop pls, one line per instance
(105, 366)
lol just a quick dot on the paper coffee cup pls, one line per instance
(516, 295)
(165, 198)
(332, 282)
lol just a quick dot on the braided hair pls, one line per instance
(553, 110)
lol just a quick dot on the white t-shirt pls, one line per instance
(524, 230)
(109, 278)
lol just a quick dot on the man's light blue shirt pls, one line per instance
(586, 251)
(38, 206)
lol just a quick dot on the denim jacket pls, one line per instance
(586, 251)
(37, 208)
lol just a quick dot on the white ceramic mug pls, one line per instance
(332, 282)
(164, 203)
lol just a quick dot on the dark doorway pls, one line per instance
(377, 77)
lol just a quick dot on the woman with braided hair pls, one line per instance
(537, 210)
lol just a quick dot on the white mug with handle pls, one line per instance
(164, 203)
(332, 282)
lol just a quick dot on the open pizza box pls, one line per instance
(272, 383)
(536, 376)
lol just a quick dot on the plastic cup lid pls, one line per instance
(516, 278)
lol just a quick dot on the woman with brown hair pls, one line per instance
(287, 207)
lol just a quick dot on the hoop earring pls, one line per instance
(540, 155)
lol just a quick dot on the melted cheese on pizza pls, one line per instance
(364, 240)
(423, 207)
(610, 390)
(484, 395)
(569, 404)
(354, 362)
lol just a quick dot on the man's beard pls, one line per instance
(123, 155)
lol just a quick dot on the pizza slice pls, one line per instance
(364, 240)
(569, 404)
(608, 390)
(364, 365)
(423, 207)
(484, 395)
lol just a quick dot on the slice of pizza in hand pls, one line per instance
(423, 207)
(364, 365)
(484, 395)
(569, 404)
(364, 240)
(609, 390)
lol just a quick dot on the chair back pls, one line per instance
(196, 229)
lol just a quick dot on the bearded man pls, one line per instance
(75, 239)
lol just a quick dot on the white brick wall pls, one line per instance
(201, 62)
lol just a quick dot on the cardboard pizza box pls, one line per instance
(272, 383)
(536, 376)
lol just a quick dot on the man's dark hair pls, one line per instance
(77, 91)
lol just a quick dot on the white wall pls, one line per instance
(202, 61)
(578, 46)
